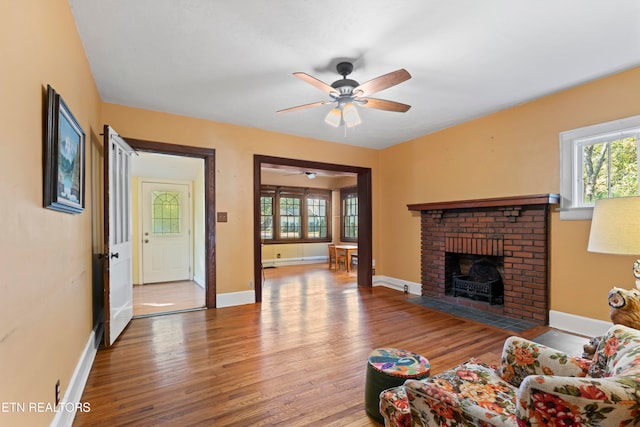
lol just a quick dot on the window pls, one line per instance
(292, 214)
(597, 162)
(290, 217)
(165, 212)
(266, 216)
(317, 214)
(349, 214)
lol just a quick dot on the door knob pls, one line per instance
(115, 255)
(146, 240)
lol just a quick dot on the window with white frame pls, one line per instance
(598, 162)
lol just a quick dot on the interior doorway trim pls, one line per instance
(365, 255)
(208, 155)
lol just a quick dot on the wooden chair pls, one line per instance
(341, 255)
(336, 256)
(354, 258)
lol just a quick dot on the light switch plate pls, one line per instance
(222, 217)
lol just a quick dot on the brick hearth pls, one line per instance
(515, 230)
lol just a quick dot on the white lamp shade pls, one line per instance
(615, 227)
(350, 115)
(334, 117)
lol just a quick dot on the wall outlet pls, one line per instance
(250, 284)
(278, 256)
(57, 392)
(406, 289)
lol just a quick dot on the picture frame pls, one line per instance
(64, 157)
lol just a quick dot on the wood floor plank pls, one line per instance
(157, 298)
(296, 359)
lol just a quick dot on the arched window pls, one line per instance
(165, 212)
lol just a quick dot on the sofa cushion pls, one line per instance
(521, 358)
(470, 394)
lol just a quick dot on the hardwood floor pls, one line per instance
(164, 297)
(297, 359)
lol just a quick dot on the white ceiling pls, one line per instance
(163, 166)
(232, 61)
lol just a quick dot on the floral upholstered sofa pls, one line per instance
(534, 386)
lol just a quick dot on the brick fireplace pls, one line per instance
(511, 234)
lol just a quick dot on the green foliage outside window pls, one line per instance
(290, 226)
(266, 217)
(295, 214)
(317, 214)
(610, 169)
(351, 216)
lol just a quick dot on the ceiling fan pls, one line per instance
(310, 175)
(347, 93)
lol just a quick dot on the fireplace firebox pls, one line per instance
(482, 281)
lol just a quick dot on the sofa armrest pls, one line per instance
(521, 358)
(554, 400)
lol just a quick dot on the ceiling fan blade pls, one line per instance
(315, 82)
(302, 107)
(383, 104)
(383, 82)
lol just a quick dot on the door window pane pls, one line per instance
(165, 212)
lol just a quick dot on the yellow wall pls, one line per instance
(45, 262)
(235, 147)
(512, 152)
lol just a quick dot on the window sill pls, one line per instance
(295, 242)
(576, 214)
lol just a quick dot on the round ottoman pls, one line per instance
(387, 368)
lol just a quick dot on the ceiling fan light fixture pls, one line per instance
(334, 117)
(350, 115)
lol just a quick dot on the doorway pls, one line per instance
(168, 233)
(365, 273)
(165, 230)
(207, 232)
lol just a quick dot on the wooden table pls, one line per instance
(350, 249)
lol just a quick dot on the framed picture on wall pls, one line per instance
(64, 157)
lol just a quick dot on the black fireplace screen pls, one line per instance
(482, 281)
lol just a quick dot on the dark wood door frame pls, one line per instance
(208, 155)
(365, 254)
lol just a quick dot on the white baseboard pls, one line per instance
(235, 298)
(578, 324)
(294, 261)
(397, 284)
(70, 402)
(199, 281)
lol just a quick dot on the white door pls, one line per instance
(166, 231)
(118, 272)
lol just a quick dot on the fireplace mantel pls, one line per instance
(535, 199)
